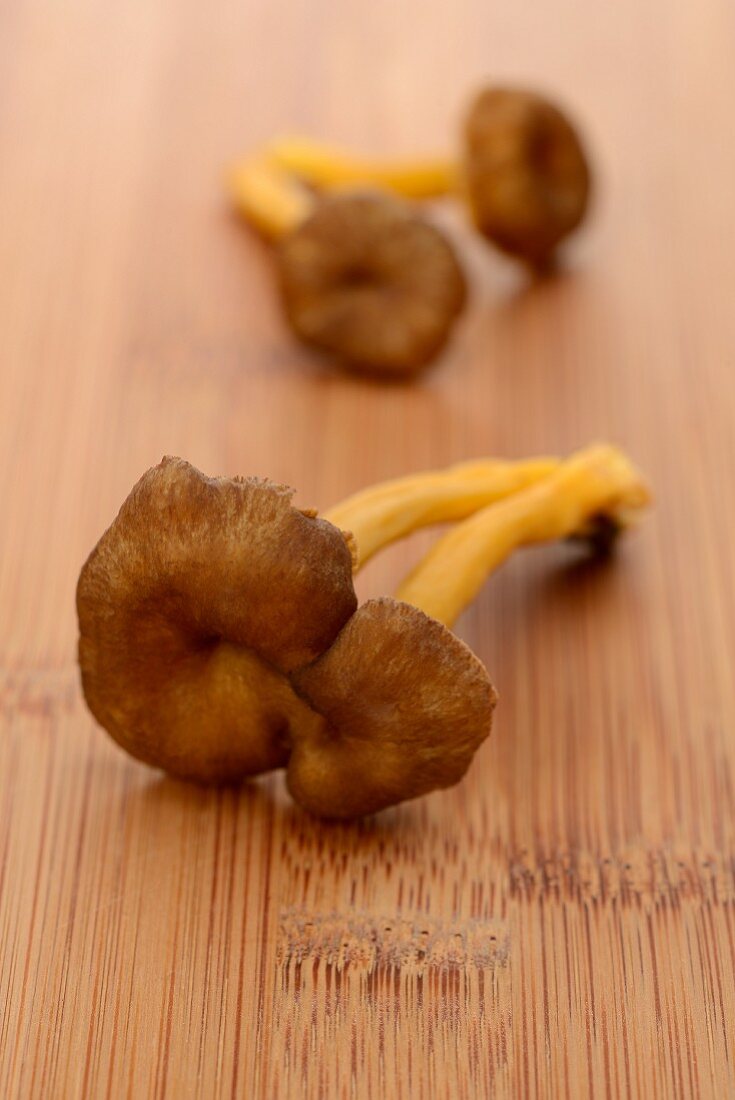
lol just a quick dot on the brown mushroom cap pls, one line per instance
(526, 173)
(193, 606)
(407, 705)
(366, 280)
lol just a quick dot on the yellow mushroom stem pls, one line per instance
(384, 513)
(327, 167)
(598, 482)
(271, 199)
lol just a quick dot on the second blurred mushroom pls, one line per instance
(362, 277)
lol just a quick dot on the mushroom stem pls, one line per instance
(327, 166)
(597, 482)
(272, 200)
(387, 512)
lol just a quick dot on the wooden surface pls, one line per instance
(563, 923)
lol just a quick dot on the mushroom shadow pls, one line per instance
(537, 290)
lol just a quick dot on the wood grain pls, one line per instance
(562, 924)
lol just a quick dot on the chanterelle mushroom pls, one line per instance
(220, 635)
(362, 276)
(523, 171)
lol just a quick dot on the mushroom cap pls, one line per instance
(194, 606)
(526, 173)
(406, 705)
(365, 279)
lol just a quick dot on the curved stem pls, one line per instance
(384, 513)
(269, 198)
(327, 166)
(598, 481)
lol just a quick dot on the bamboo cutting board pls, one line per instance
(561, 924)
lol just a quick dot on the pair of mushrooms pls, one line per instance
(367, 279)
(220, 635)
